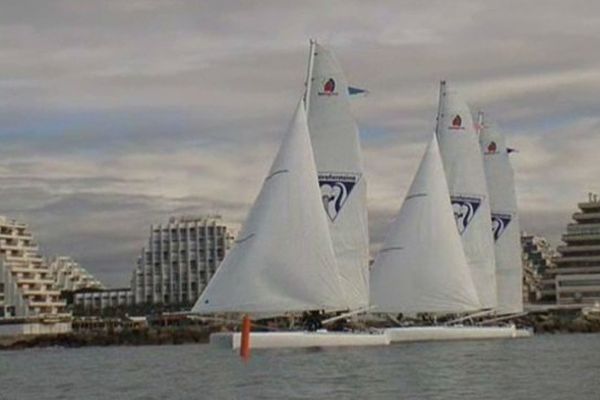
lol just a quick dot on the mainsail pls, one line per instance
(283, 259)
(463, 164)
(505, 221)
(336, 147)
(422, 266)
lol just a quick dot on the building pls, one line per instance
(180, 259)
(71, 277)
(538, 269)
(26, 282)
(91, 300)
(577, 275)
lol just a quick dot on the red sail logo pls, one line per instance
(457, 121)
(328, 88)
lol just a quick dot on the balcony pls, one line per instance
(578, 249)
(589, 206)
(48, 281)
(587, 217)
(41, 292)
(577, 258)
(584, 238)
(562, 271)
(34, 303)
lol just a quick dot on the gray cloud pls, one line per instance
(115, 115)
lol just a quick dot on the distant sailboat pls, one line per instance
(336, 147)
(463, 164)
(422, 266)
(505, 220)
(283, 260)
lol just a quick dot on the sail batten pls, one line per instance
(422, 266)
(284, 260)
(335, 139)
(505, 219)
(463, 165)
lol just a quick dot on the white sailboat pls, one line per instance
(336, 146)
(283, 260)
(505, 220)
(463, 164)
(422, 267)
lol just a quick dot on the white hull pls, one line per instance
(444, 333)
(276, 340)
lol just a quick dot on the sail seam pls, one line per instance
(412, 196)
(250, 236)
(391, 249)
(281, 171)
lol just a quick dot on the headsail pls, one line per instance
(463, 164)
(422, 266)
(283, 259)
(505, 220)
(336, 146)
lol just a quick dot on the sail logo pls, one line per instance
(335, 190)
(464, 209)
(499, 224)
(328, 87)
(456, 123)
(492, 148)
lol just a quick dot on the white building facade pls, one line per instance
(180, 259)
(103, 299)
(70, 276)
(27, 285)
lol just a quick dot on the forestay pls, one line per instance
(283, 259)
(505, 220)
(336, 146)
(422, 266)
(463, 164)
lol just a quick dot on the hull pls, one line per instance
(279, 340)
(445, 333)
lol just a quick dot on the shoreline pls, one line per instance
(542, 324)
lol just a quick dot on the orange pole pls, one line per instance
(245, 345)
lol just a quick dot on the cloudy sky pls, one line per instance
(116, 114)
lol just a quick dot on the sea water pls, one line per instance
(544, 367)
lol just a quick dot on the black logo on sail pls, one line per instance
(335, 190)
(499, 224)
(464, 210)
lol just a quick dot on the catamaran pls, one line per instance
(284, 259)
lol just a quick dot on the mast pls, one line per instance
(440, 115)
(308, 84)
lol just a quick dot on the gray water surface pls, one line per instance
(545, 367)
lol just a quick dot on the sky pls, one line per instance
(115, 115)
